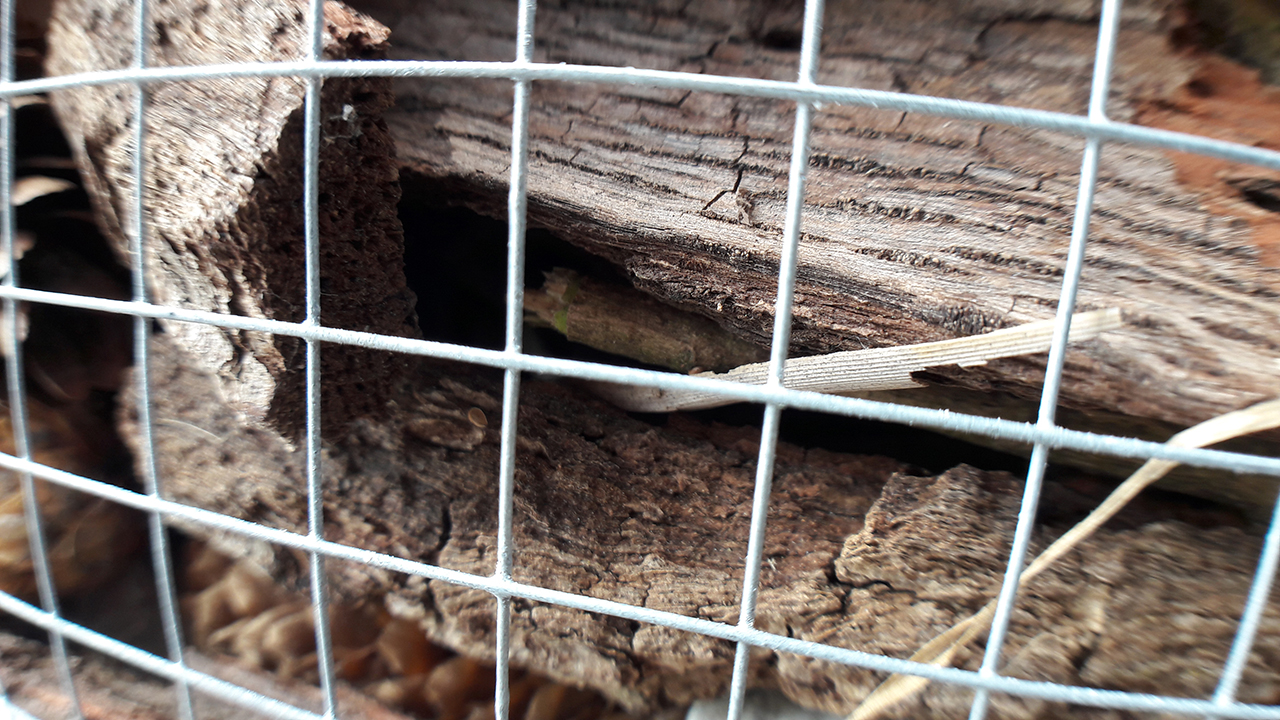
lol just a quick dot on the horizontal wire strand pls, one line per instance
(748, 87)
(503, 586)
(1056, 438)
(217, 521)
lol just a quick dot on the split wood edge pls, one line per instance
(888, 368)
(942, 649)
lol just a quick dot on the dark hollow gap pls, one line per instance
(455, 260)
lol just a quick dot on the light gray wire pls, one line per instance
(517, 204)
(810, 50)
(315, 471)
(779, 643)
(161, 561)
(12, 712)
(748, 87)
(1056, 438)
(1255, 606)
(15, 377)
(154, 664)
(7, 224)
(32, 513)
(513, 361)
(1107, 31)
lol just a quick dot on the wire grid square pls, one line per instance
(1043, 435)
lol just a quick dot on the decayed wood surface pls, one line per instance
(916, 228)
(861, 552)
(224, 189)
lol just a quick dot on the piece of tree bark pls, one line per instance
(224, 190)
(915, 228)
(861, 552)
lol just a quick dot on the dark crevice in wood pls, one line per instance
(863, 551)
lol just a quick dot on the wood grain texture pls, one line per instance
(909, 240)
(224, 190)
(861, 552)
(915, 228)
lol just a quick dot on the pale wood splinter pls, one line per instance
(888, 368)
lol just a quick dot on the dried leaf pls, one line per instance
(24, 100)
(29, 188)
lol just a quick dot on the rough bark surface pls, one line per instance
(915, 228)
(224, 190)
(861, 552)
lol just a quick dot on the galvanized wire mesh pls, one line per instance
(1044, 435)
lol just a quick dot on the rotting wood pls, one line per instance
(915, 228)
(919, 229)
(940, 650)
(224, 190)
(861, 552)
(657, 516)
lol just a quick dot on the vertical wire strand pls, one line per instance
(811, 45)
(1251, 618)
(7, 234)
(517, 204)
(14, 377)
(1105, 57)
(315, 476)
(161, 563)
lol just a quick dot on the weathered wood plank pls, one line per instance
(861, 552)
(224, 190)
(916, 228)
